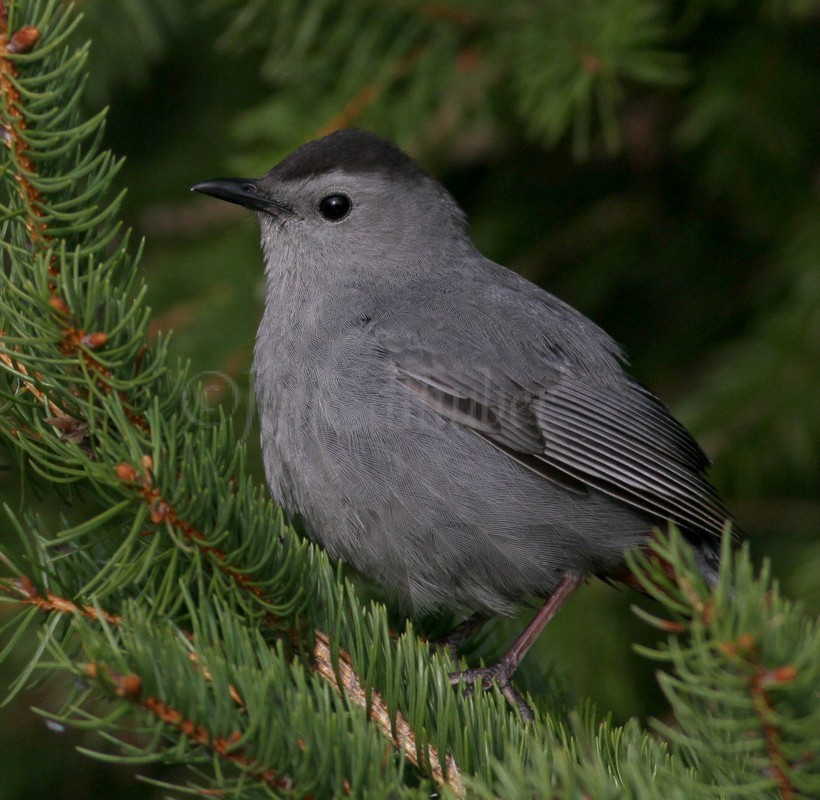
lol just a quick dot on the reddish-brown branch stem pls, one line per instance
(28, 594)
(161, 511)
(15, 122)
(129, 687)
(745, 650)
(764, 709)
(50, 603)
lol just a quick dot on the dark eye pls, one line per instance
(335, 207)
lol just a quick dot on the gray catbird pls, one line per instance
(448, 428)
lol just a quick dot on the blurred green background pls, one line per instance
(686, 222)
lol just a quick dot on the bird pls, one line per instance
(448, 428)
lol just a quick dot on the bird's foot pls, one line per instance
(498, 674)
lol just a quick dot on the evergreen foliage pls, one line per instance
(198, 628)
(449, 62)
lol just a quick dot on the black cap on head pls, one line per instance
(353, 151)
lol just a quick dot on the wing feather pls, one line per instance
(618, 440)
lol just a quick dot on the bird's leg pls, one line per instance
(502, 670)
(455, 639)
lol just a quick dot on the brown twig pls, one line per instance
(446, 774)
(28, 385)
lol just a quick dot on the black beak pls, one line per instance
(244, 192)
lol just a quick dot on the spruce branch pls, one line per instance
(338, 672)
(70, 220)
(744, 667)
(162, 513)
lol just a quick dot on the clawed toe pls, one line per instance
(498, 674)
